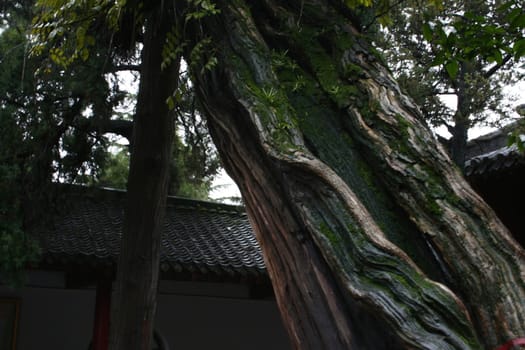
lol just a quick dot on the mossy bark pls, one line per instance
(371, 236)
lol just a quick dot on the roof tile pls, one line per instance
(197, 236)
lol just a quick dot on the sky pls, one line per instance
(224, 187)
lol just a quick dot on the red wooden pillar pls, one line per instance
(102, 314)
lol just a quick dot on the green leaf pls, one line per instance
(504, 7)
(352, 4)
(495, 57)
(81, 36)
(511, 139)
(170, 102)
(515, 139)
(452, 68)
(439, 59)
(438, 4)
(452, 40)
(516, 19)
(519, 48)
(518, 22)
(84, 54)
(90, 40)
(442, 35)
(178, 96)
(427, 32)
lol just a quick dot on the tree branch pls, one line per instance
(123, 67)
(382, 13)
(494, 68)
(120, 127)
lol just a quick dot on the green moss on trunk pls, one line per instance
(339, 156)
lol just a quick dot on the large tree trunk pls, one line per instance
(371, 236)
(133, 310)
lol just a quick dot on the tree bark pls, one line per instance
(133, 310)
(462, 123)
(458, 141)
(371, 236)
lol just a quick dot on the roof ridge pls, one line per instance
(200, 204)
(176, 201)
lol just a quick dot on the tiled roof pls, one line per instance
(198, 236)
(490, 154)
(500, 159)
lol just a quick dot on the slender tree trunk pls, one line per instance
(371, 236)
(458, 142)
(136, 289)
